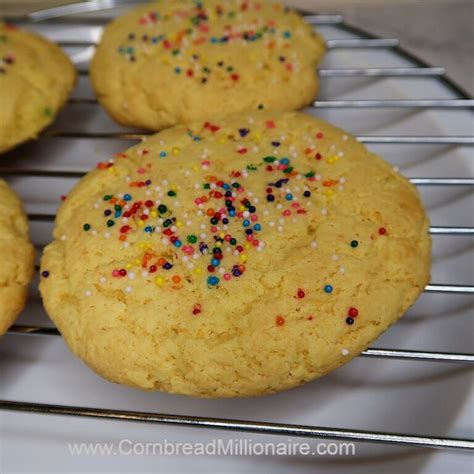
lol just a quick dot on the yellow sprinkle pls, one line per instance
(153, 214)
(197, 271)
(223, 141)
(175, 150)
(257, 136)
(247, 245)
(218, 244)
(165, 60)
(195, 168)
(222, 235)
(241, 208)
(243, 258)
(138, 261)
(329, 192)
(159, 280)
(129, 265)
(179, 224)
(141, 223)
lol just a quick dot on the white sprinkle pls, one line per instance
(203, 236)
(342, 270)
(280, 228)
(345, 352)
(340, 154)
(271, 224)
(131, 275)
(202, 226)
(324, 212)
(63, 237)
(103, 279)
(197, 186)
(164, 182)
(281, 220)
(88, 293)
(345, 138)
(165, 241)
(190, 265)
(335, 258)
(96, 206)
(222, 271)
(314, 244)
(265, 213)
(126, 245)
(396, 169)
(107, 235)
(128, 289)
(144, 273)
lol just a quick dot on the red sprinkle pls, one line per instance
(280, 320)
(300, 294)
(382, 231)
(353, 312)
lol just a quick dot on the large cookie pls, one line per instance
(237, 257)
(36, 78)
(172, 62)
(16, 257)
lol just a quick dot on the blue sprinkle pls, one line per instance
(231, 213)
(162, 154)
(246, 223)
(177, 70)
(215, 262)
(118, 213)
(257, 227)
(328, 289)
(284, 161)
(213, 280)
(214, 39)
(287, 34)
(289, 197)
(127, 197)
(148, 229)
(177, 243)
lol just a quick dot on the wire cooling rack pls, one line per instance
(417, 69)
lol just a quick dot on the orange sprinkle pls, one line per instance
(280, 320)
(176, 279)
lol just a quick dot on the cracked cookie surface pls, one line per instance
(36, 78)
(172, 62)
(16, 257)
(235, 257)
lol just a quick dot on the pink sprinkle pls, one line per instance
(287, 212)
(188, 249)
(227, 237)
(115, 273)
(255, 243)
(249, 238)
(213, 229)
(295, 204)
(197, 201)
(141, 170)
(253, 218)
(227, 276)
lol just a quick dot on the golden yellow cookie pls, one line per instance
(16, 257)
(238, 257)
(173, 62)
(36, 78)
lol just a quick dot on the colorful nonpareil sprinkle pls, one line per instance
(209, 228)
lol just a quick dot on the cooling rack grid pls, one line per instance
(79, 35)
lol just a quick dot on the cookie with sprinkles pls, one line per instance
(36, 78)
(16, 257)
(236, 257)
(172, 62)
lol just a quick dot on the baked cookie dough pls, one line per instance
(173, 62)
(16, 257)
(36, 78)
(236, 257)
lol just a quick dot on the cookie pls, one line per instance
(36, 78)
(236, 257)
(16, 257)
(172, 62)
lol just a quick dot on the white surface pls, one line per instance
(410, 397)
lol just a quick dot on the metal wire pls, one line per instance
(420, 70)
(279, 429)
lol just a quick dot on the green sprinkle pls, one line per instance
(192, 239)
(86, 227)
(354, 244)
(162, 208)
(47, 111)
(110, 223)
(171, 193)
(269, 159)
